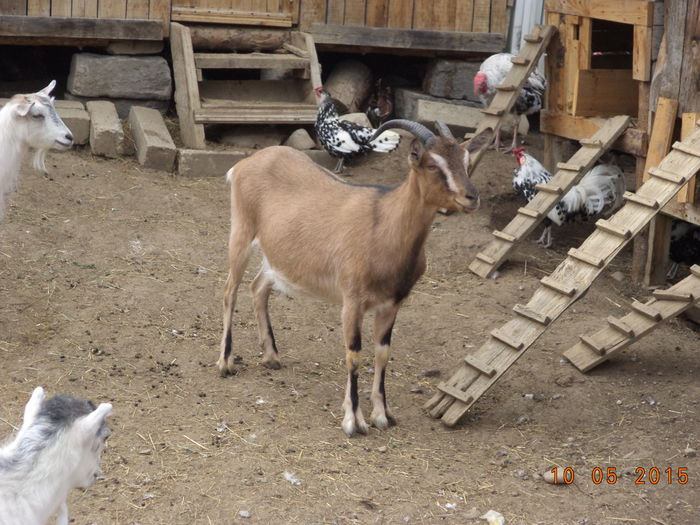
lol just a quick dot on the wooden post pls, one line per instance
(641, 241)
(687, 193)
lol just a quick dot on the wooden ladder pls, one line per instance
(568, 283)
(548, 196)
(507, 93)
(593, 349)
(198, 103)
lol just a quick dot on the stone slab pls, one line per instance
(300, 139)
(207, 163)
(123, 105)
(106, 133)
(78, 122)
(451, 78)
(120, 76)
(135, 47)
(154, 145)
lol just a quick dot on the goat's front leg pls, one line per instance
(62, 514)
(383, 325)
(261, 288)
(353, 421)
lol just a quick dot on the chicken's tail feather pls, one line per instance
(387, 141)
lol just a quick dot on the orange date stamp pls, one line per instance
(643, 476)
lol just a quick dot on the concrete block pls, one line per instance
(207, 163)
(78, 122)
(451, 78)
(406, 100)
(154, 145)
(106, 133)
(300, 140)
(135, 47)
(123, 105)
(349, 82)
(120, 76)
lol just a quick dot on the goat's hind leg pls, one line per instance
(239, 252)
(260, 289)
(383, 325)
(353, 420)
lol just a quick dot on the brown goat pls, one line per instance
(360, 246)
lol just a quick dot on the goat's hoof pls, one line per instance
(273, 364)
(226, 368)
(380, 422)
(352, 427)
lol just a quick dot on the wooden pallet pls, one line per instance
(568, 283)
(594, 349)
(507, 93)
(548, 196)
(193, 112)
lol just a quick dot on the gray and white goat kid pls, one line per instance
(58, 448)
(28, 121)
(360, 246)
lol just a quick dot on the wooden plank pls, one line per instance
(641, 53)
(668, 176)
(377, 13)
(91, 10)
(464, 14)
(592, 344)
(608, 227)
(355, 12)
(420, 40)
(186, 87)
(667, 70)
(504, 236)
(531, 314)
(585, 43)
(80, 28)
(623, 11)
(134, 8)
(647, 311)
(683, 211)
(587, 258)
(620, 326)
(562, 288)
(555, 94)
(443, 15)
(160, 10)
(35, 8)
(505, 338)
(61, 8)
(314, 64)
(687, 193)
(106, 8)
(641, 200)
(228, 16)
(482, 367)
(571, 71)
(482, 16)
(400, 14)
(78, 9)
(597, 93)
(689, 93)
(335, 13)
(670, 295)
(249, 61)
(423, 15)
(499, 18)
(14, 7)
(313, 11)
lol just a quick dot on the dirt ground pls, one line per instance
(110, 288)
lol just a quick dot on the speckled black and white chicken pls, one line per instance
(598, 192)
(685, 246)
(493, 72)
(343, 139)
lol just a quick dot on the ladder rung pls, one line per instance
(640, 199)
(485, 369)
(620, 326)
(608, 227)
(670, 295)
(555, 285)
(647, 311)
(549, 188)
(568, 166)
(494, 112)
(686, 149)
(485, 258)
(587, 258)
(667, 175)
(695, 270)
(533, 39)
(455, 392)
(505, 87)
(520, 61)
(531, 314)
(529, 212)
(503, 236)
(590, 343)
(594, 143)
(506, 339)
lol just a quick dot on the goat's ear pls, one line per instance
(480, 141)
(31, 409)
(48, 89)
(416, 153)
(90, 424)
(22, 109)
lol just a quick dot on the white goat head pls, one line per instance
(58, 448)
(42, 128)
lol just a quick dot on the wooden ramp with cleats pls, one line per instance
(568, 283)
(507, 93)
(548, 196)
(592, 350)
(199, 101)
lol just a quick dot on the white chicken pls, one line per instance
(599, 191)
(492, 72)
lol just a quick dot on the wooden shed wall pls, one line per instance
(143, 9)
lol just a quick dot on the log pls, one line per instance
(350, 83)
(214, 38)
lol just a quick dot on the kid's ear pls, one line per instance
(31, 409)
(22, 110)
(48, 89)
(91, 423)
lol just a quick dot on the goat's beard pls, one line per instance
(39, 161)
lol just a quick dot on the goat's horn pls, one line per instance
(442, 129)
(419, 130)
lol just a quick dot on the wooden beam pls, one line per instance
(186, 86)
(687, 193)
(377, 37)
(641, 53)
(230, 16)
(79, 28)
(661, 133)
(689, 96)
(623, 11)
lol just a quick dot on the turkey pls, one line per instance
(685, 246)
(493, 72)
(343, 139)
(599, 191)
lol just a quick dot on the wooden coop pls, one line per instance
(626, 58)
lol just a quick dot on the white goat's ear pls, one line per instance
(22, 109)
(31, 409)
(48, 89)
(91, 423)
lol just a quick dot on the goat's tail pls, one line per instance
(387, 141)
